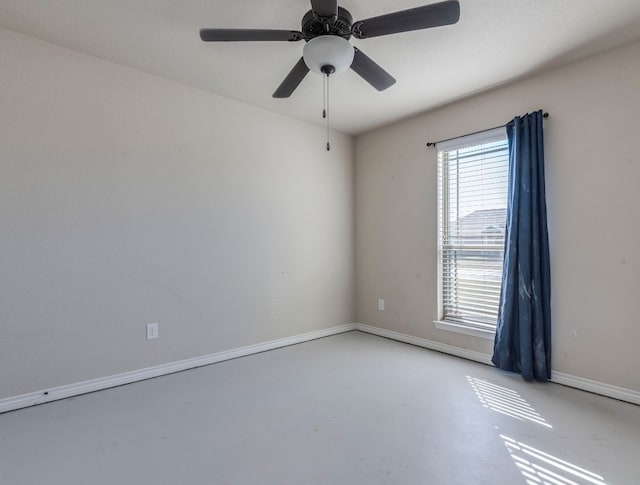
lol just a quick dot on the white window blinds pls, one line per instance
(472, 202)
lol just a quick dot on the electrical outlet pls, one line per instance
(152, 331)
(380, 304)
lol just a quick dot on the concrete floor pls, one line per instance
(348, 409)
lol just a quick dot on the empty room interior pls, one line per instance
(236, 254)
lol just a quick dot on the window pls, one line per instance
(472, 210)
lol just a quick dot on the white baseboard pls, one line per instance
(70, 390)
(427, 344)
(62, 392)
(615, 392)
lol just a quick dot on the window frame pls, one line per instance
(476, 329)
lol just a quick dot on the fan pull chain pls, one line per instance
(327, 115)
(324, 97)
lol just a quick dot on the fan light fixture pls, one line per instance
(328, 54)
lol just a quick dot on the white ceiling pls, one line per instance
(495, 41)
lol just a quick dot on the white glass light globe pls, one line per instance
(328, 50)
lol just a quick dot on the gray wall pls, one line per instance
(593, 181)
(127, 199)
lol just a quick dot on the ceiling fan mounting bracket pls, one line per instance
(296, 36)
(314, 26)
(356, 30)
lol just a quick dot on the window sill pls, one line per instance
(464, 329)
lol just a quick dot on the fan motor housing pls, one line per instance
(313, 26)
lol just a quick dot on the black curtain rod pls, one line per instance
(433, 143)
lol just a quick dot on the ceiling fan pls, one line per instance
(327, 28)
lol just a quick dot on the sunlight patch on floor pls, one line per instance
(505, 401)
(540, 468)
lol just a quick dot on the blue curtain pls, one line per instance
(523, 335)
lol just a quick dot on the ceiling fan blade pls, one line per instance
(371, 72)
(325, 8)
(292, 81)
(248, 35)
(427, 16)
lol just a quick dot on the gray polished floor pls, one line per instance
(349, 409)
